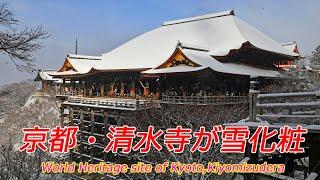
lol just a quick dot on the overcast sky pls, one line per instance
(102, 25)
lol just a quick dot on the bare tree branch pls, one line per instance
(19, 45)
(6, 16)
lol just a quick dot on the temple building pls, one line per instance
(198, 61)
(289, 64)
(210, 55)
(49, 84)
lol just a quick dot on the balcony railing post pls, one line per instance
(137, 103)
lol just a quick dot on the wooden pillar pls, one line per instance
(79, 89)
(83, 88)
(102, 89)
(92, 131)
(54, 88)
(81, 133)
(253, 94)
(45, 86)
(71, 122)
(49, 87)
(74, 86)
(70, 86)
(184, 91)
(158, 93)
(133, 89)
(62, 114)
(62, 90)
(105, 130)
(146, 90)
(111, 90)
(85, 84)
(122, 89)
(90, 89)
(42, 85)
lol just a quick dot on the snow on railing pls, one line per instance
(69, 93)
(294, 97)
(292, 94)
(297, 105)
(204, 100)
(111, 103)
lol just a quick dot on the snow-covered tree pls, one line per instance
(315, 56)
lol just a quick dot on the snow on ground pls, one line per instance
(1, 121)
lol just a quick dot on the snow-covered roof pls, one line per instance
(77, 56)
(64, 73)
(44, 75)
(197, 18)
(292, 46)
(174, 69)
(219, 33)
(205, 60)
(80, 63)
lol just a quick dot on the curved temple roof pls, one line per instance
(292, 46)
(77, 64)
(219, 33)
(206, 61)
(45, 75)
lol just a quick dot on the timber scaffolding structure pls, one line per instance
(275, 111)
(94, 116)
(204, 100)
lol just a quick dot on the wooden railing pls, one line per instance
(291, 106)
(204, 100)
(111, 103)
(69, 93)
(276, 110)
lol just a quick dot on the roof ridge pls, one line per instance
(192, 47)
(289, 43)
(198, 18)
(87, 57)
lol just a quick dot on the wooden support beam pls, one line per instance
(105, 130)
(184, 92)
(62, 86)
(253, 105)
(133, 89)
(122, 89)
(73, 83)
(71, 116)
(61, 114)
(146, 90)
(111, 90)
(81, 133)
(102, 85)
(77, 88)
(84, 88)
(45, 87)
(92, 130)
(90, 89)
(158, 93)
